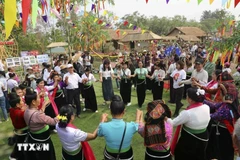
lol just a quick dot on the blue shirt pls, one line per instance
(113, 131)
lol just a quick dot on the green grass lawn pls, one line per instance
(88, 122)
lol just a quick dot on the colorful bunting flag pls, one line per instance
(130, 25)
(45, 18)
(115, 18)
(100, 21)
(188, 1)
(118, 32)
(26, 6)
(139, 29)
(108, 25)
(135, 27)
(71, 7)
(104, 23)
(143, 31)
(199, 1)
(146, 1)
(229, 4)
(93, 7)
(211, 1)
(105, 12)
(17, 24)
(95, 20)
(125, 23)
(167, 1)
(124, 33)
(10, 16)
(224, 2)
(236, 3)
(34, 12)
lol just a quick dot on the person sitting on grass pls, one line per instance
(117, 133)
(70, 136)
(158, 143)
(20, 128)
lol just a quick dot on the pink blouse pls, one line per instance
(169, 132)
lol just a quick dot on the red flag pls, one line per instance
(26, 6)
(125, 23)
(118, 32)
(146, 1)
(100, 22)
(236, 3)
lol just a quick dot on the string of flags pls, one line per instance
(56, 8)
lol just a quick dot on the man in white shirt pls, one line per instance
(72, 81)
(199, 75)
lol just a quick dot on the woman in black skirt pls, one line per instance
(126, 85)
(141, 73)
(89, 92)
(158, 84)
(194, 135)
(106, 75)
(38, 124)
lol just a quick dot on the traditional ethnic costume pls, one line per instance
(194, 135)
(38, 124)
(112, 132)
(89, 92)
(158, 85)
(20, 131)
(141, 85)
(223, 116)
(157, 143)
(125, 86)
(107, 88)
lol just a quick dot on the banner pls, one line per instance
(42, 58)
(13, 62)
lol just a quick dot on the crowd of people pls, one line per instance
(39, 105)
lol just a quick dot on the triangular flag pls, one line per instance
(26, 6)
(143, 31)
(211, 1)
(130, 25)
(236, 3)
(139, 29)
(45, 18)
(105, 12)
(118, 32)
(34, 12)
(10, 16)
(115, 18)
(93, 7)
(229, 4)
(124, 33)
(100, 22)
(167, 1)
(104, 23)
(135, 27)
(146, 1)
(188, 1)
(125, 23)
(224, 2)
(96, 19)
(17, 24)
(199, 1)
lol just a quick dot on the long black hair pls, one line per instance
(66, 111)
(30, 96)
(106, 61)
(192, 94)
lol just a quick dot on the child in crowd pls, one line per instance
(227, 68)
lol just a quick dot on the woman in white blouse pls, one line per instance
(125, 85)
(194, 135)
(158, 83)
(89, 92)
(106, 75)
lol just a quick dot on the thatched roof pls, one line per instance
(147, 36)
(114, 36)
(190, 31)
(169, 38)
(189, 38)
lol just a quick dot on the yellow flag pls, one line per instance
(211, 1)
(143, 31)
(115, 18)
(17, 24)
(188, 1)
(229, 4)
(124, 33)
(105, 12)
(95, 20)
(130, 25)
(10, 16)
